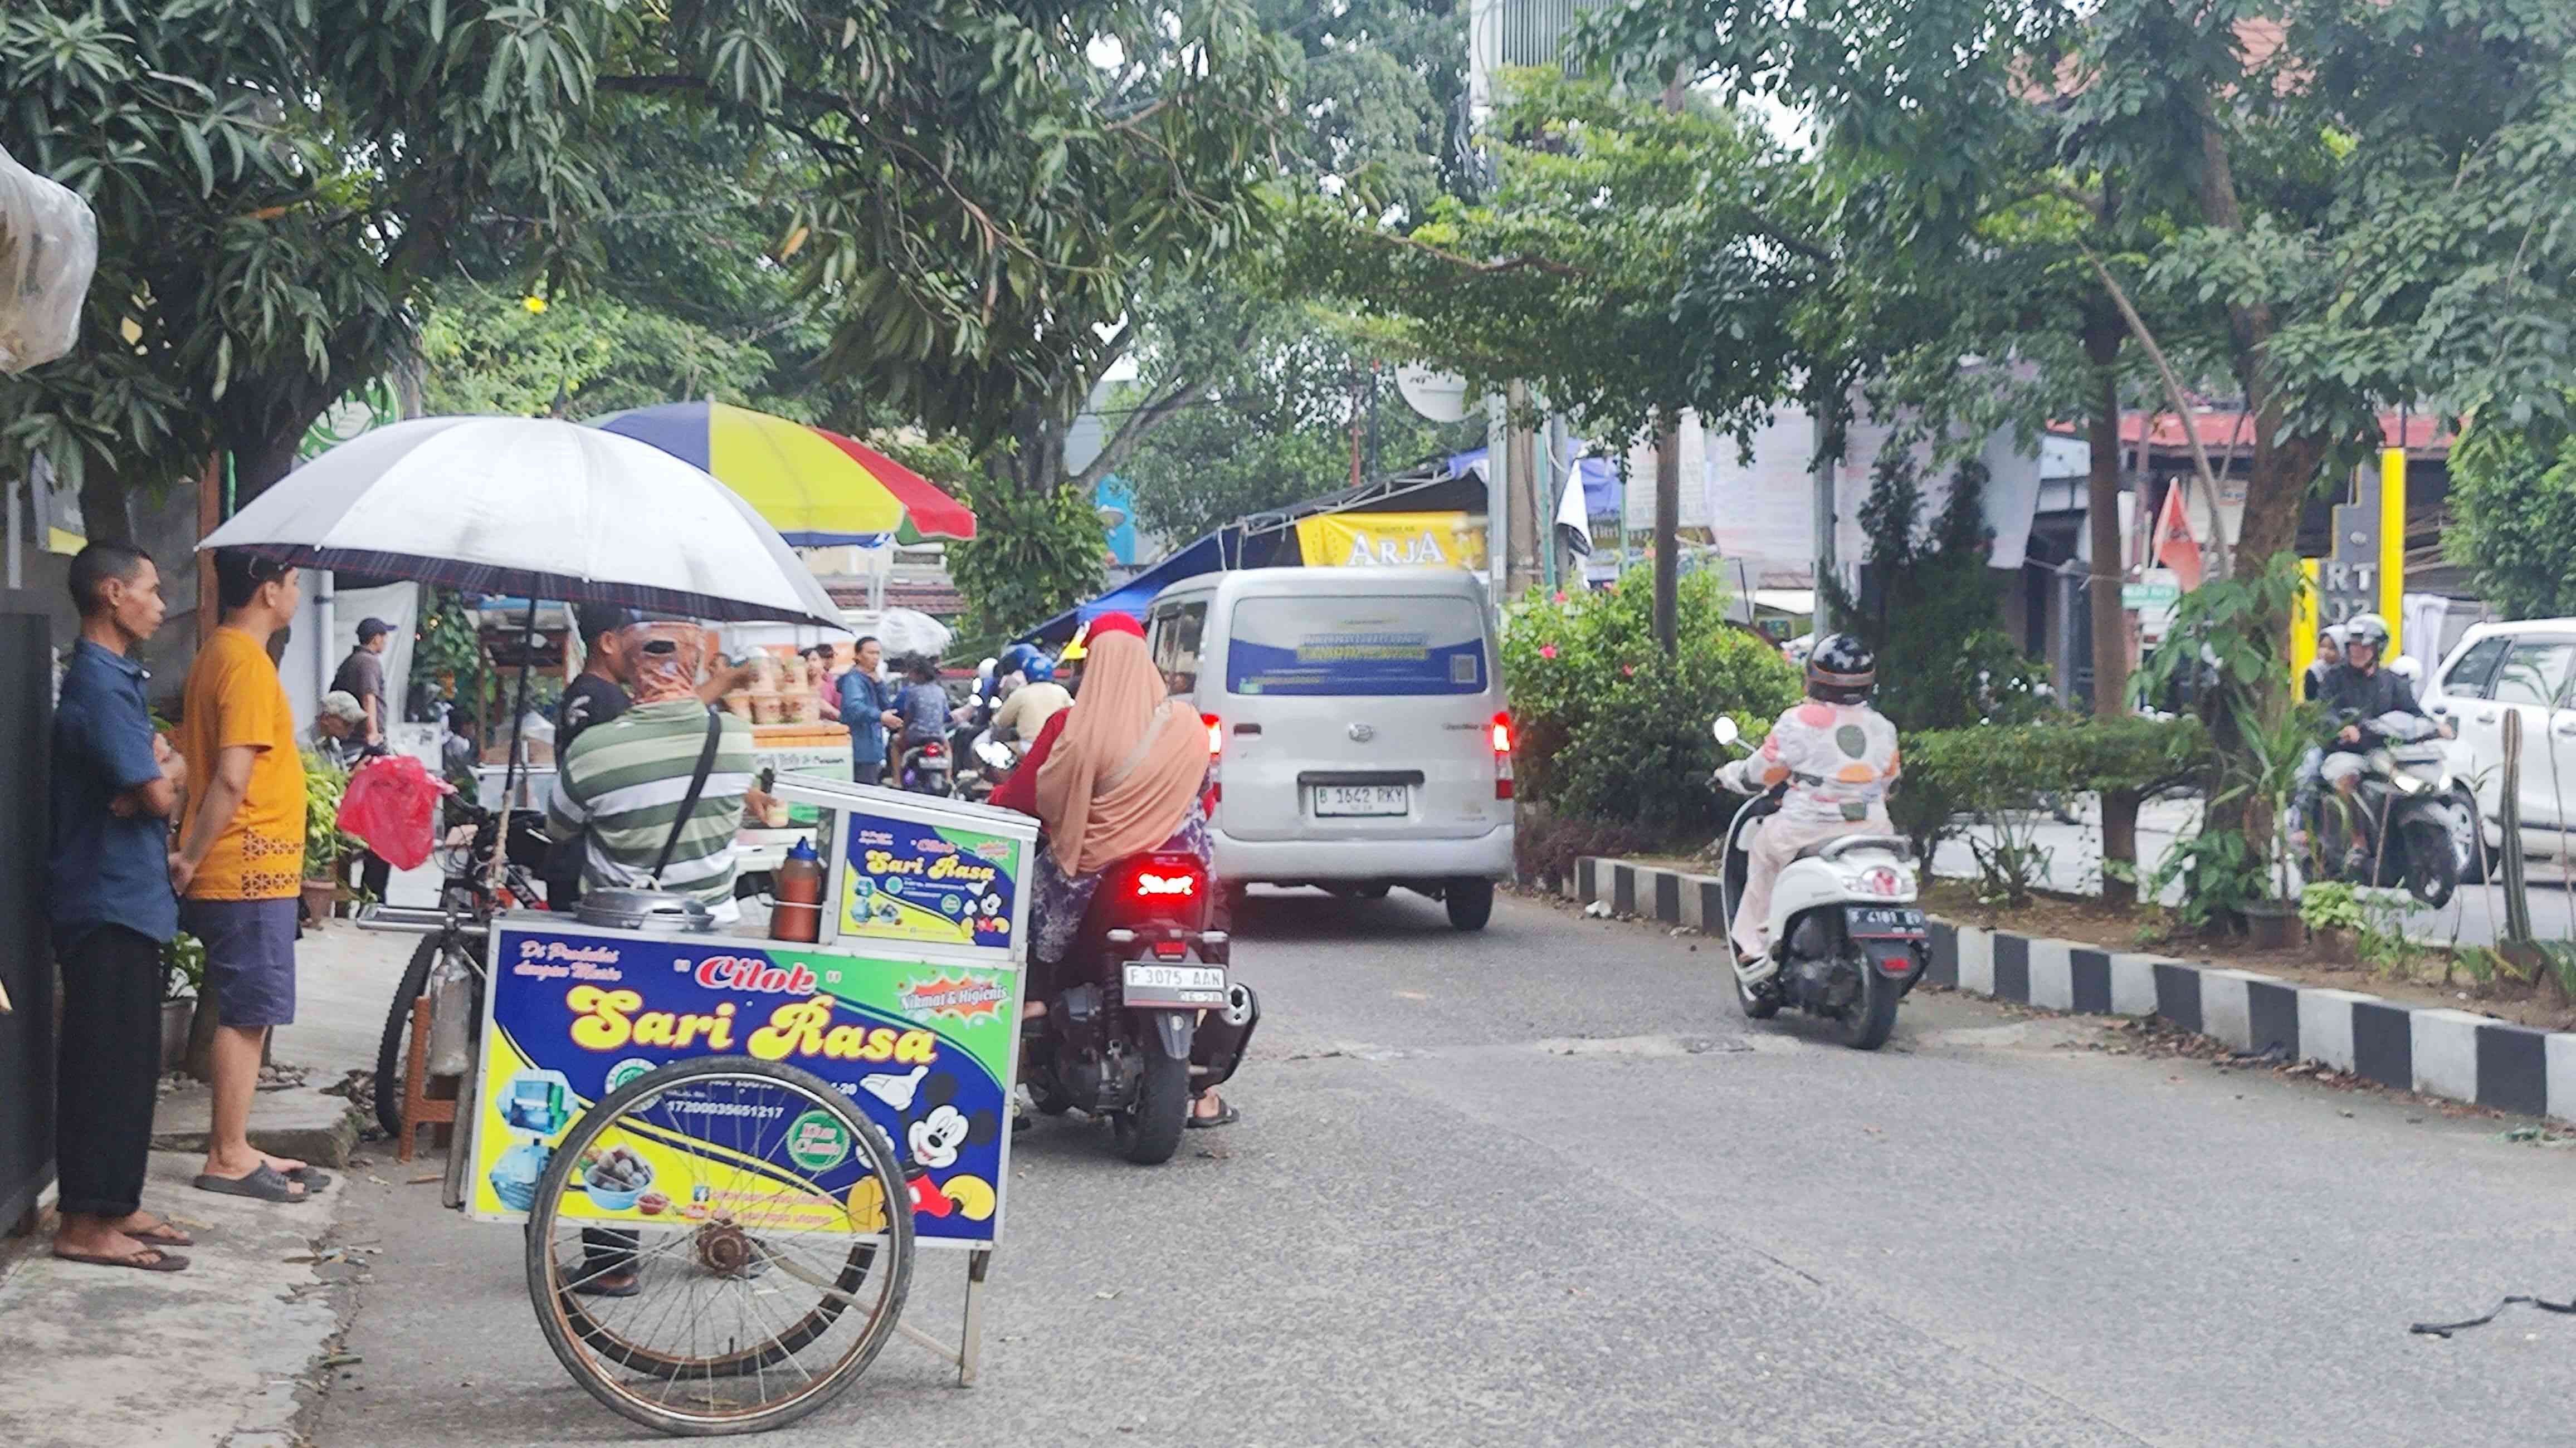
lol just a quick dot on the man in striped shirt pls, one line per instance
(622, 780)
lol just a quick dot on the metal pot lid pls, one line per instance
(644, 910)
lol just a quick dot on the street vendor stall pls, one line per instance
(724, 1147)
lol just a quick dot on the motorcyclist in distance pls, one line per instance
(1838, 758)
(2354, 693)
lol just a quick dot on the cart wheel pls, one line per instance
(732, 1327)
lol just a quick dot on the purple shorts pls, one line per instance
(250, 957)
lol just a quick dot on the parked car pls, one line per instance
(2527, 668)
(1358, 723)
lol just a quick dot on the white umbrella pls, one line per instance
(533, 508)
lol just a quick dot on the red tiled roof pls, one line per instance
(2425, 433)
(939, 600)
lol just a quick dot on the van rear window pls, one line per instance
(1356, 645)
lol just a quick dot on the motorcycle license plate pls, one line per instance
(1362, 799)
(1151, 984)
(1884, 922)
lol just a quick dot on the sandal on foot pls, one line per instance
(148, 1259)
(263, 1184)
(605, 1284)
(306, 1177)
(1226, 1116)
(160, 1234)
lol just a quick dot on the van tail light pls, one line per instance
(1216, 756)
(1502, 737)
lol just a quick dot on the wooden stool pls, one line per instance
(419, 1109)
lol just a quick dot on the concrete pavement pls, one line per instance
(1544, 1186)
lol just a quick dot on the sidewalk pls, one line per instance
(216, 1355)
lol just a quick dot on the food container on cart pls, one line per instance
(919, 872)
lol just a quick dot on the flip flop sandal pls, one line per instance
(599, 1286)
(306, 1177)
(1227, 1116)
(162, 1234)
(263, 1184)
(160, 1261)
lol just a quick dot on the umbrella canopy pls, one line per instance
(536, 508)
(817, 488)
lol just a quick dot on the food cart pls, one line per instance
(723, 1148)
(726, 1116)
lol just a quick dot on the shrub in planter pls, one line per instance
(1994, 775)
(1607, 728)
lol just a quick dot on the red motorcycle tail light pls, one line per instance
(1156, 885)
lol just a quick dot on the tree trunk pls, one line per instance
(1668, 520)
(1520, 496)
(2103, 486)
(104, 513)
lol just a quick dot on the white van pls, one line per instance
(1358, 720)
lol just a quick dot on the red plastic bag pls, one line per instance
(392, 804)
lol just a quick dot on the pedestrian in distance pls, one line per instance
(362, 676)
(867, 710)
(239, 865)
(821, 661)
(116, 782)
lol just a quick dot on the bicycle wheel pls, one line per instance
(731, 1326)
(391, 1051)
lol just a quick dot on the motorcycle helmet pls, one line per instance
(1841, 670)
(2366, 630)
(1029, 662)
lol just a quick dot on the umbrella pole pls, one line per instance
(510, 769)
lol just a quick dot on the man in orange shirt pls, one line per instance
(240, 859)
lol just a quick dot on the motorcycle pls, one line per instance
(991, 760)
(1847, 940)
(926, 768)
(1144, 1011)
(2410, 815)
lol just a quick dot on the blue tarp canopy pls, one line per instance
(1220, 549)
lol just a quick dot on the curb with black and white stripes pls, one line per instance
(2438, 1052)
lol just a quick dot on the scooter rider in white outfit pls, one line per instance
(1838, 757)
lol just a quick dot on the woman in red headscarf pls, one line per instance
(1120, 772)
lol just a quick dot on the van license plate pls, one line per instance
(1363, 799)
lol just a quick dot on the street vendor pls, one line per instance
(616, 785)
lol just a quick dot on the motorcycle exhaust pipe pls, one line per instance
(1224, 1035)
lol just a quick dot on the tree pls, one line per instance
(277, 185)
(1612, 223)
(2513, 512)
(1931, 606)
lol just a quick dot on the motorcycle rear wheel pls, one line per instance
(1150, 1132)
(1872, 1016)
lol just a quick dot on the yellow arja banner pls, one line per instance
(1392, 540)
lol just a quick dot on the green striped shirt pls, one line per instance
(625, 779)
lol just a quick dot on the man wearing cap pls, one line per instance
(362, 675)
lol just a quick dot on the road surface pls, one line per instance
(1543, 1186)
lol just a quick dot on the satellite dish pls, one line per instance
(1439, 396)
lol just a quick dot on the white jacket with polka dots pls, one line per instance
(1839, 760)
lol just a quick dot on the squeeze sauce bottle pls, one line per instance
(796, 908)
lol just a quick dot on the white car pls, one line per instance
(2525, 668)
(1358, 723)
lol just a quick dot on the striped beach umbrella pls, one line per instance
(816, 487)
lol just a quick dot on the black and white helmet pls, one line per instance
(2367, 630)
(1841, 670)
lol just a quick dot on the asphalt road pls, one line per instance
(1544, 1186)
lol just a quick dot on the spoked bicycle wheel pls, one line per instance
(736, 1211)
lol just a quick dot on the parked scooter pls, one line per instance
(2412, 821)
(1847, 941)
(1144, 1011)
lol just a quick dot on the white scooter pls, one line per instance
(1847, 941)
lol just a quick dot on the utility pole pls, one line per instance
(1354, 376)
(1520, 465)
(1824, 520)
(1668, 488)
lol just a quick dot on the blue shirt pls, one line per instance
(862, 702)
(106, 869)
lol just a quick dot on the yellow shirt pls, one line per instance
(235, 699)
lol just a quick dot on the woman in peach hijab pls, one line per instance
(1121, 772)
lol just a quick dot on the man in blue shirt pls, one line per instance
(116, 782)
(863, 708)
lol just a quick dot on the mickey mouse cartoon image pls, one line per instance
(937, 1136)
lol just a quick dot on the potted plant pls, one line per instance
(2268, 770)
(324, 784)
(184, 988)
